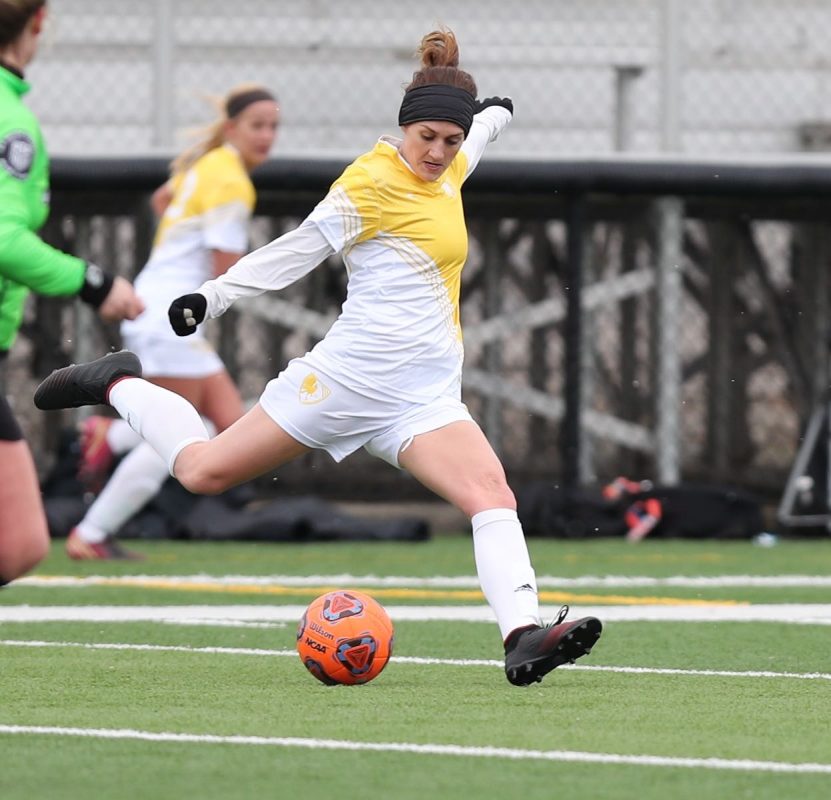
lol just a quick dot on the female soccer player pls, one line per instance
(387, 376)
(27, 263)
(205, 209)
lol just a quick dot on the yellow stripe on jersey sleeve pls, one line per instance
(354, 199)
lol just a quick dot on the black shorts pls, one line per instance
(9, 429)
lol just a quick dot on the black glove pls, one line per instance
(96, 286)
(505, 102)
(186, 312)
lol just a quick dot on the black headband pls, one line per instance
(239, 102)
(437, 101)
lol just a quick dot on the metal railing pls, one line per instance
(658, 318)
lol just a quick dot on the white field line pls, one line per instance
(791, 613)
(440, 582)
(573, 756)
(225, 623)
(421, 661)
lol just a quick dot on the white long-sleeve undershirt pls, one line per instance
(273, 266)
(487, 125)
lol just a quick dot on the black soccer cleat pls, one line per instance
(86, 384)
(532, 652)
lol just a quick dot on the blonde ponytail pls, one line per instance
(213, 135)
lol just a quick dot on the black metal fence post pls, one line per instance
(572, 286)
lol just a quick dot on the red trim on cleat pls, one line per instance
(115, 383)
(85, 384)
(533, 651)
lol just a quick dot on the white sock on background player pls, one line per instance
(121, 437)
(136, 479)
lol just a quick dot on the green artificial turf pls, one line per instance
(269, 693)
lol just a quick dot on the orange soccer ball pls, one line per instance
(345, 637)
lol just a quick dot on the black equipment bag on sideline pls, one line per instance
(686, 511)
(175, 513)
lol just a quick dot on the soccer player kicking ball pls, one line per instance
(387, 375)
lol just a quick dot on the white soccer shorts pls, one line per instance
(322, 413)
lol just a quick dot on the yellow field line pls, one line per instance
(402, 594)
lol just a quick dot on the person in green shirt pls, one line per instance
(27, 264)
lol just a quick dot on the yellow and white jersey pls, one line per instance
(210, 210)
(404, 243)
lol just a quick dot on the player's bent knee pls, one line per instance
(198, 472)
(490, 492)
(198, 479)
(496, 489)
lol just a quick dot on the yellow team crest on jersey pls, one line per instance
(312, 390)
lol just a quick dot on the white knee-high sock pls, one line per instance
(137, 478)
(504, 568)
(164, 419)
(121, 437)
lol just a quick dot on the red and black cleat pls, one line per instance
(532, 652)
(86, 384)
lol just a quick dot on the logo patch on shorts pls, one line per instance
(312, 390)
(17, 154)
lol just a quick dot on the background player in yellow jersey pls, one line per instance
(387, 375)
(204, 212)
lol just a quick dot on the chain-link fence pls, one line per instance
(595, 76)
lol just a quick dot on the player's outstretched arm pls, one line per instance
(270, 268)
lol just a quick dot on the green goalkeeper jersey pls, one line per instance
(26, 261)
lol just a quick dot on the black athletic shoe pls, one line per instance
(532, 652)
(86, 384)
